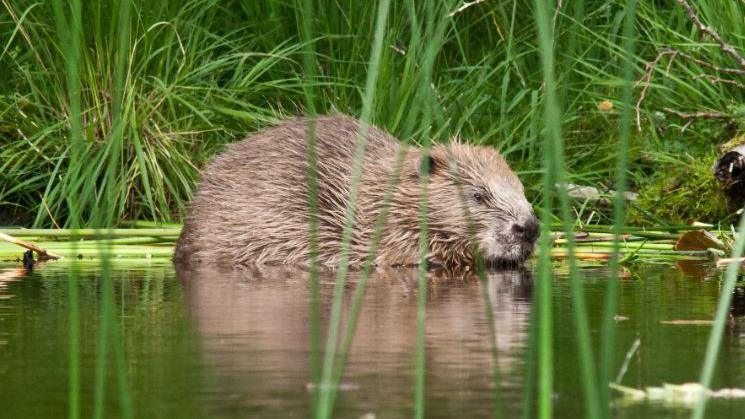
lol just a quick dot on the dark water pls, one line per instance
(230, 344)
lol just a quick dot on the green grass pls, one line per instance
(164, 85)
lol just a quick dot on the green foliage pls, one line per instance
(681, 190)
(167, 84)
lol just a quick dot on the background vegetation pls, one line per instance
(109, 108)
(165, 84)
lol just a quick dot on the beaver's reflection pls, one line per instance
(255, 325)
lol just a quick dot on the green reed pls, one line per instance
(492, 336)
(480, 271)
(552, 142)
(619, 203)
(720, 318)
(367, 269)
(309, 68)
(73, 301)
(68, 31)
(102, 348)
(324, 403)
(427, 103)
(110, 341)
(555, 174)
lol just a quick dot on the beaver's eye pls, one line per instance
(478, 197)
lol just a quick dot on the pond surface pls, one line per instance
(203, 342)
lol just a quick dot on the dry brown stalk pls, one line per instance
(43, 254)
(648, 78)
(715, 80)
(698, 115)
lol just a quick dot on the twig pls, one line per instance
(43, 254)
(703, 63)
(629, 355)
(465, 6)
(559, 4)
(729, 49)
(648, 78)
(714, 80)
(652, 65)
(49, 213)
(698, 115)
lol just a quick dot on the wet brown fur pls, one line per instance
(252, 205)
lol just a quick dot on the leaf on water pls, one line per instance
(689, 322)
(698, 240)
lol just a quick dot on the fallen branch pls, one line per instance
(43, 254)
(698, 115)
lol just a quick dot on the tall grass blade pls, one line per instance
(368, 267)
(68, 31)
(611, 298)
(720, 318)
(309, 68)
(324, 405)
(552, 140)
(102, 347)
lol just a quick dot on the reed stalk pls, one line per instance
(91, 232)
(324, 403)
(607, 361)
(720, 318)
(309, 68)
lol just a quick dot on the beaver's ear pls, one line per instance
(433, 162)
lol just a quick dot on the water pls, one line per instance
(203, 342)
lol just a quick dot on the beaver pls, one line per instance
(252, 205)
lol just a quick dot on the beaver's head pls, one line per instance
(476, 199)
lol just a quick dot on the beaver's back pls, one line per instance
(252, 204)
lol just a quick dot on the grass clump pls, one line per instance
(164, 85)
(681, 190)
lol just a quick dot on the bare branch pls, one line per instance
(43, 254)
(465, 6)
(729, 49)
(646, 80)
(714, 80)
(703, 63)
(698, 115)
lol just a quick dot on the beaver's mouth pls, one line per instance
(503, 263)
(514, 260)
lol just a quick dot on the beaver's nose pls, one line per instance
(528, 231)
